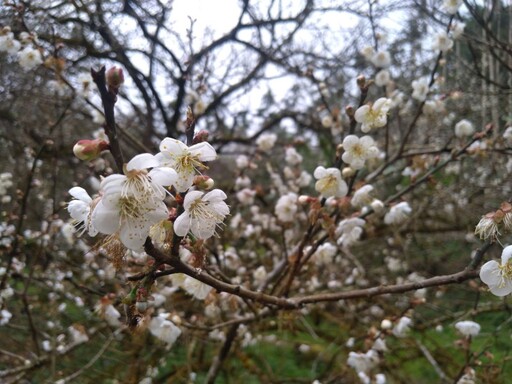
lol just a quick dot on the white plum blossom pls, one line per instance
(464, 128)
(78, 334)
(382, 78)
(242, 162)
(451, 6)
(358, 150)
(487, 227)
(325, 253)
(260, 274)
(507, 135)
(349, 231)
(133, 202)
(327, 121)
(292, 157)
(5, 182)
(5, 316)
(420, 89)
(373, 116)
(330, 182)
(402, 327)
(187, 161)
(398, 213)
(442, 42)
(9, 44)
(246, 196)
(381, 59)
(363, 362)
(196, 288)
(469, 377)
(498, 276)
(286, 207)
(203, 214)
(266, 141)
(367, 52)
(362, 196)
(468, 327)
(458, 30)
(164, 329)
(110, 314)
(80, 210)
(29, 58)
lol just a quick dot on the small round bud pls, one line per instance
(377, 206)
(88, 150)
(349, 110)
(114, 78)
(386, 324)
(204, 182)
(327, 121)
(200, 136)
(361, 81)
(141, 306)
(304, 199)
(347, 172)
(176, 319)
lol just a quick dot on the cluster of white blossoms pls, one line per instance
(164, 329)
(5, 184)
(420, 89)
(349, 231)
(28, 56)
(130, 205)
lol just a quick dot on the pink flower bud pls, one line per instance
(115, 78)
(200, 136)
(88, 150)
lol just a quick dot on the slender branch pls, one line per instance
(223, 353)
(109, 99)
(294, 303)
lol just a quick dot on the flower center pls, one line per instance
(200, 210)
(131, 208)
(358, 150)
(188, 163)
(138, 186)
(505, 272)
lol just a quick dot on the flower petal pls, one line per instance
(164, 176)
(203, 229)
(190, 198)
(142, 161)
(112, 183)
(319, 172)
(502, 291)
(78, 210)
(215, 196)
(182, 224)
(133, 235)
(105, 219)
(172, 146)
(80, 194)
(204, 151)
(489, 273)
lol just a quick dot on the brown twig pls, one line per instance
(108, 99)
